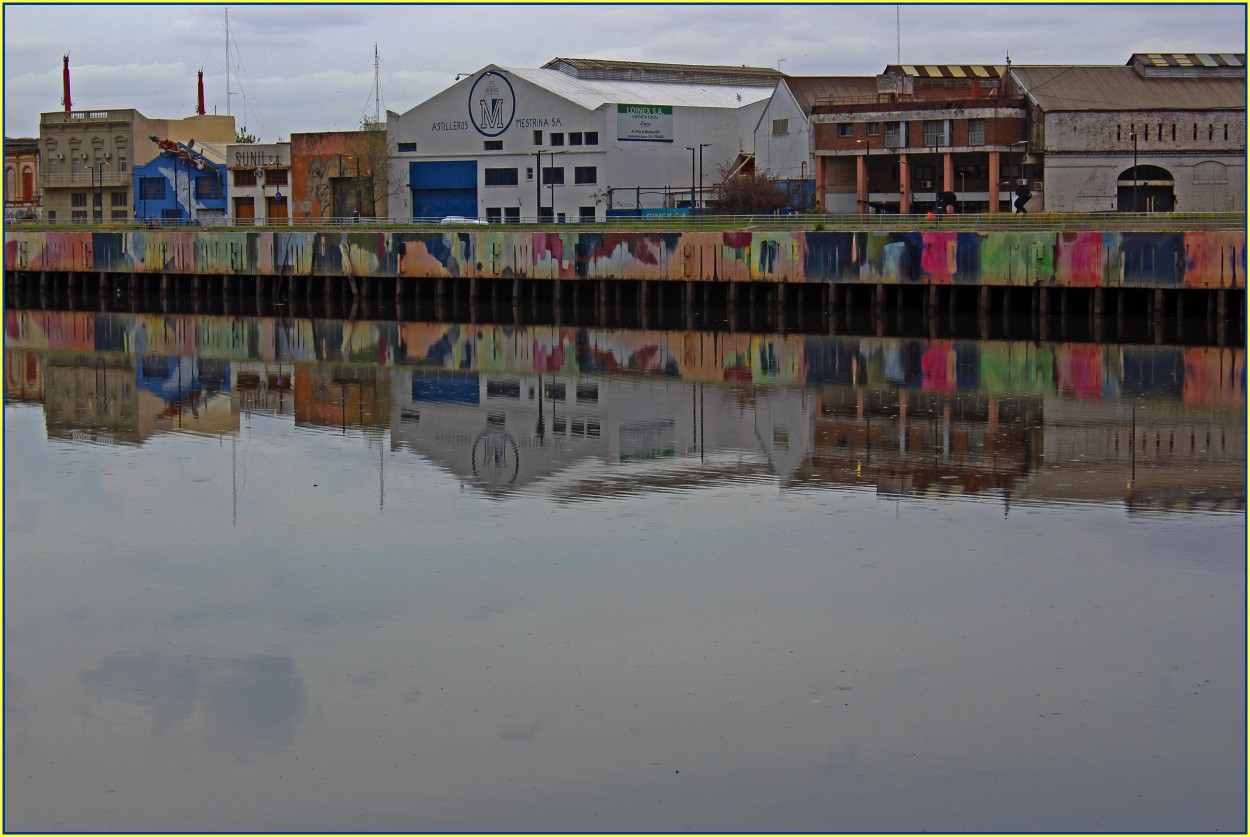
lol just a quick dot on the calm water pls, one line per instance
(320, 575)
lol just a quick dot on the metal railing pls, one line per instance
(1039, 221)
(84, 179)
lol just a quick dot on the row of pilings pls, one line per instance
(1172, 315)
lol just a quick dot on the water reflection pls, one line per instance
(543, 409)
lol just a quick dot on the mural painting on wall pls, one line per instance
(1196, 259)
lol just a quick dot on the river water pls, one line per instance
(322, 575)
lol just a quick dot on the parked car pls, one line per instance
(461, 221)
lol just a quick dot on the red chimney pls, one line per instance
(200, 108)
(65, 100)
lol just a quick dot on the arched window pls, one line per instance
(28, 183)
(10, 184)
(1209, 172)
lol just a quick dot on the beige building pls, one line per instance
(88, 157)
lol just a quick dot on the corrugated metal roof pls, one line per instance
(1189, 59)
(946, 70)
(1122, 88)
(598, 68)
(593, 93)
(808, 90)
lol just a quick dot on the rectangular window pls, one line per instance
(935, 133)
(493, 145)
(120, 215)
(405, 147)
(575, 138)
(845, 129)
(557, 139)
(529, 173)
(553, 176)
(78, 199)
(152, 188)
(122, 165)
(895, 134)
(1173, 133)
(976, 132)
(494, 214)
(873, 128)
(208, 188)
(171, 214)
(585, 174)
(587, 393)
(503, 389)
(586, 213)
(592, 137)
(275, 177)
(538, 138)
(501, 177)
(117, 199)
(545, 215)
(245, 177)
(781, 127)
(78, 217)
(512, 214)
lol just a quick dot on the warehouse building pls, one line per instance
(1166, 131)
(576, 139)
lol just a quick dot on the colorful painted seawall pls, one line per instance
(1194, 259)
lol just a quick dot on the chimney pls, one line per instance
(65, 98)
(200, 107)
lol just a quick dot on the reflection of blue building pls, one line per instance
(181, 185)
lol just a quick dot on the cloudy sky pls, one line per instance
(310, 67)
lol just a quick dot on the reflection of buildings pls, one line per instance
(506, 431)
(341, 395)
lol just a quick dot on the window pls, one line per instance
(275, 177)
(545, 214)
(895, 134)
(117, 199)
(845, 129)
(494, 214)
(405, 147)
(208, 188)
(935, 133)
(501, 177)
(245, 177)
(586, 213)
(1117, 132)
(171, 214)
(557, 139)
(52, 217)
(585, 174)
(592, 137)
(78, 199)
(493, 145)
(78, 217)
(781, 127)
(152, 188)
(575, 138)
(553, 176)
(512, 214)
(976, 132)
(873, 128)
(538, 138)
(529, 173)
(587, 393)
(1160, 132)
(120, 215)
(122, 165)
(1173, 133)
(1226, 131)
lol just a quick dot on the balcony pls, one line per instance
(84, 179)
(87, 116)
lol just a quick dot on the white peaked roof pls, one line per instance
(594, 93)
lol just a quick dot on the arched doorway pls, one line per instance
(1145, 189)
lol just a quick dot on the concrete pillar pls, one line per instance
(904, 185)
(994, 176)
(948, 173)
(861, 184)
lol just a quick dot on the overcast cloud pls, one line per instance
(301, 68)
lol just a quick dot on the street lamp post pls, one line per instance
(1133, 135)
(702, 146)
(691, 149)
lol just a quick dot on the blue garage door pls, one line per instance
(445, 188)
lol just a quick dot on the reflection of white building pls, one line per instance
(591, 436)
(572, 139)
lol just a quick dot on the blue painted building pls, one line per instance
(183, 184)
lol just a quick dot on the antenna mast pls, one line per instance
(377, 88)
(227, 62)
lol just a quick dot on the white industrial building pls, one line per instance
(573, 139)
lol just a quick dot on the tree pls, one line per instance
(242, 136)
(373, 150)
(750, 194)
